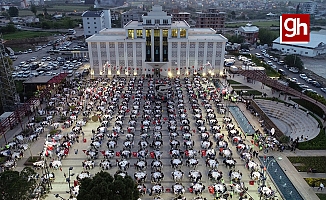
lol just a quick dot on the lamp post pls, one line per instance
(68, 179)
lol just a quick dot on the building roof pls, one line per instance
(92, 14)
(315, 41)
(249, 29)
(38, 80)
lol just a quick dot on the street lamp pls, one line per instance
(58, 196)
(68, 179)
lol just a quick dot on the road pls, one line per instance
(290, 74)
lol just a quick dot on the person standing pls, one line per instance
(321, 187)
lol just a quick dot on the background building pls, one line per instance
(156, 46)
(316, 46)
(180, 16)
(249, 32)
(309, 7)
(94, 21)
(211, 19)
(132, 15)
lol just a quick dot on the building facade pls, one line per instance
(156, 46)
(94, 21)
(211, 19)
(316, 46)
(309, 7)
(132, 15)
(249, 32)
(180, 16)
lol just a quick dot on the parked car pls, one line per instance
(323, 90)
(294, 70)
(303, 76)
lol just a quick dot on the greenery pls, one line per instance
(104, 186)
(293, 61)
(260, 24)
(33, 9)
(13, 11)
(251, 92)
(26, 34)
(266, 36)
(17, 185)
(54, 131)
(310, 106)
(236, 39)
(315, 181)
(321, 196)
(8, 29)
(233, 82)
(268, 69)
(306, 162)
(240, 87)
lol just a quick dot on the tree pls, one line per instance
(236, 39)
(33, 9)
(233, 14)
(103, 186)
(266, 36)
(15, 185)
(13, 11)
(293, 61)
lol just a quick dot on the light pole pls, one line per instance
(68, 179)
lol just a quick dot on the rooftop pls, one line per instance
(249, 29)
(92, 14)
(315, 41)
(38, 80)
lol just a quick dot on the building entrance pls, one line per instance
(157, 73)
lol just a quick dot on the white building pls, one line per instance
(94, 21)
(316, 46)
(309, 7)
(156, 46)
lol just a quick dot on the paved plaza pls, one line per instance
(161, 124)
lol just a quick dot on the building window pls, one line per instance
(130, 34)
(94, 18)
(87, 18)
(94, 22)
(182, 33)
(174, 33)
(87, 22)
(305, 52)
(139, 33)
(95, 27)
(89, 27)
(165, 21)
(148, 21)
(95, 31)
(295, 50)
(157, 21)
(282, 48)
(165, 32)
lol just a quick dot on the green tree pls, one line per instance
(33, 9)
(103, 186)
(236, 39)
(293, 61)
(13, 11)
(266, 36)
(15, 185)
(233, 14)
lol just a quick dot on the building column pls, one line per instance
(134, 57)
(91, 62)
(161, 45)
(152, 45)
(144, 67)
(125, 57)
(215, 71)
(205, 71)
(196, 57)
(222, 57)
(117, 63)
(99, 57)
(107, 49)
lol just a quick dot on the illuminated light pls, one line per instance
(178, 72)
(118, 72)
(135, 73)
(109, 72)
(204, 74)
(170, 74)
